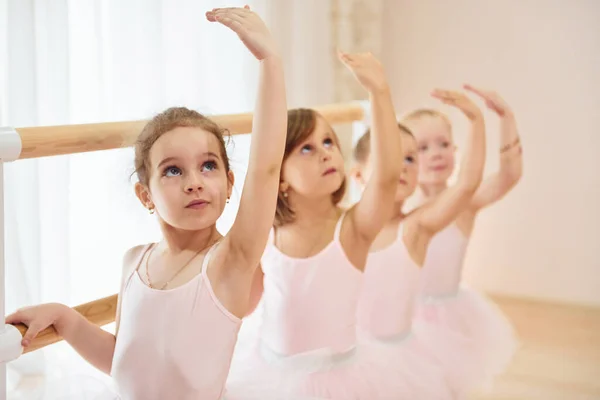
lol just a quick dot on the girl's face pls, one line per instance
(188, 185)
(408, 178)
(436, 149)
(314, 168)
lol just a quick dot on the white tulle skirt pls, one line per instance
(368, 371)
(469, 336)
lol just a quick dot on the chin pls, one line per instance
(194, 223)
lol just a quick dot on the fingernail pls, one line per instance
(25, 343)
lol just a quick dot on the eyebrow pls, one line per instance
(171, 159)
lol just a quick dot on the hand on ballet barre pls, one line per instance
(460, 101)
(492, 100)
(249, 27)
(366, 69)
(36, 319)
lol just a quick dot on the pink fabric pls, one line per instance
(310, 303)
(482, 340)
(391, 284)
(442, 271)
(173, 344)
(385, 315)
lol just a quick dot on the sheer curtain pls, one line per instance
(71, 218)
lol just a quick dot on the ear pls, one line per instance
(284, 186)
(230, 182)
(357, 174)
(143, 194)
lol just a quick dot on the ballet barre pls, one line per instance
(45, 141)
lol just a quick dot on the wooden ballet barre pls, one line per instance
(70, 139)
(99, 312)
(47, 141)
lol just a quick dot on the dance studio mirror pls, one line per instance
(474, 278)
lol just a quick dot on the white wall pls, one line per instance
(543, 56)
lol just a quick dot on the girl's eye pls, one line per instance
(409, 159)
(328, 142)
(172, 171)
(209, 166)
(306, 149)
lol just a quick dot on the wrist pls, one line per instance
(476, 117)
(507, 115)
(382, 89)
(272, 59)
(66, 319)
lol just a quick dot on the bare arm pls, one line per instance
(256, 291)
(499, 184)
(94, 344)
(439, 213)
(369, 215)
(249, 233)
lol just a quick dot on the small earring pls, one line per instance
(151, 210)
(227, 200)
(285, 194)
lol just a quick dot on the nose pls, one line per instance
(194, 183)
(436, 155)
(325, 154)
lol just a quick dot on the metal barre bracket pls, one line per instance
(10, 144)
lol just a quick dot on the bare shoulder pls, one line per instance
(131, 258)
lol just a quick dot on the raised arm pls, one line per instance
(440, 212)
(369, 215)
(250, 231)
(499, 184)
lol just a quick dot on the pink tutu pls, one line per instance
(469, 336)
(368, 371)
(417, 372)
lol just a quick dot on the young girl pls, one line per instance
(315, 257)
(446, 304)
(393, 270)
(182, 298)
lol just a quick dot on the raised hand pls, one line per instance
(249, 27)
(458, 100)
(366, 69)
(36, 319)
(492, 100)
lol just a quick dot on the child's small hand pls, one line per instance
(366, 69)
(492, 100)
(249, 27)
(36, 319)
(460, 101)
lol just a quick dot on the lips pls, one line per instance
(402, 182)
(329, 171)
(198, 203)
(438, 168)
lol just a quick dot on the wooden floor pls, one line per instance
(559, 356)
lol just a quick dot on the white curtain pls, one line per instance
(71, 218)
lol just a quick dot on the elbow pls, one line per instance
(470, 184)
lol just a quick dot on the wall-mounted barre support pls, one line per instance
(10, 337)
